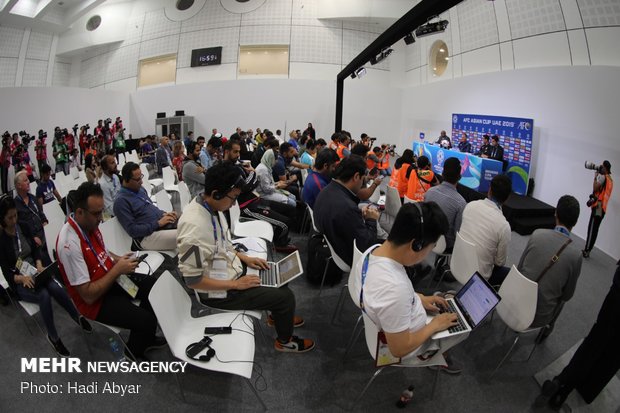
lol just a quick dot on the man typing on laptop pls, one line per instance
(211, 265)
(387, 295)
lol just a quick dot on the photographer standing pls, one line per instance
(40, 149)
(601, 192)
(61, 154)
(5, 162)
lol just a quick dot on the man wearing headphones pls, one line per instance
(387, 296)
(212, 266)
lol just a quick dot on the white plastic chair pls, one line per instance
(169, 177)
(407, 200)
(74, 172)
(30, 308)
(256, 246)
(517, 307)
(253, 228)
(33, 188)
(344, 267)
(146, 177)
(440, 256)
(56, 219)
(163, 202)
(357, 254)
(374, 198)
(118, 241)
(392, 201)
(184, 195)
(464, 261)
(172, 306)
(311, 213)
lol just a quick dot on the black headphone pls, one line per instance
(418, 244)
(195, 348)
(218, 195)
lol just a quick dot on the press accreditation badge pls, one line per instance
(219, 271)
(25, 268)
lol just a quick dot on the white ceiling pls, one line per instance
(48, 16)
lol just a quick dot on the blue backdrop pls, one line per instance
(515, 136)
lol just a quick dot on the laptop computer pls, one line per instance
(474, 301)
(281, 272)
(40, 279)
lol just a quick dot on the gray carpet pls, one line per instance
(319, 380)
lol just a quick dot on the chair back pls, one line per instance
(82, 176)
(116, 239)
(33, 188)
(304, 176)
(354, 275)
(163, 202)
(171, 305)
(145, 172)
(312, 219)
(184, 195)
(519, 299)
(392, 201)
(235, 215)
(464, 261)
(56, 219)
(440, 247)
(374, 198)
(370, 332)
(168, 176)
(339, 262)
(407, 200)
(74, 172)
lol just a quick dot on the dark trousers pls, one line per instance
(279, 215)
(4, 176)
(597, 359)
(280, 301)
(43, 297)
(593, 225)
(498, 275)
(118, 310)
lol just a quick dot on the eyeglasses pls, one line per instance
(138, 179)
(232, 198)
(96, 214)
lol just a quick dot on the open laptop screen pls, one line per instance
(477, 298)
(289, 267)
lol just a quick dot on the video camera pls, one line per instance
(86, 127)
(26, 138)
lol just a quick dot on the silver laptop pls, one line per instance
(471, 304)
(281, 272)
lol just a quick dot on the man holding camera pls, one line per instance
(61, 154)
(602, 186)
(5, 162)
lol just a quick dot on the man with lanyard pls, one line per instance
(193, 172)
(218, 272)
(602, 187)
(420, 179)
(320, 175)
(554, 262)
(90, 273)
(150, 227)
(388, 298)
(110, 184)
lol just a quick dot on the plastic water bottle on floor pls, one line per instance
(405, 397)
(118, 350)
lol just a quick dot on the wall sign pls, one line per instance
(207, 57)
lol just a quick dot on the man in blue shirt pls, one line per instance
(46, 190)
(150, 227)
(320, 175)
(189, 138)
(210, 154)
(463, 145)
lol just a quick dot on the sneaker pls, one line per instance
(549, 389)
(286, 249)
(83, 322)
(294, 345)
(297, 321)
(158, 342)
(59, 347)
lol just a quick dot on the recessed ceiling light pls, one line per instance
(447, 58)
(434, 68)
(442, 50)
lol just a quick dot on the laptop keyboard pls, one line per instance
(268, 277)
(461, 325)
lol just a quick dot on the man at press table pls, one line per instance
(495, 151)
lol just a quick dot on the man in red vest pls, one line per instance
(90, 273)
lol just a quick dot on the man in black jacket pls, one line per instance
(336, 211)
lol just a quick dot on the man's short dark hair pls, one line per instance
(501, 186)
(495, 138)
(567, 211)
(284, 147)
(363, 135)
(200, 138)
(607, 166)
(215, 142)
(321, 142)
(485, 137)
(105, 162)
(336, 136)
(423, 162)
(271, 143)
(406, 226)
(191, 147)
(127, 171)
(451, 170)
(326, 157)
(278, 132)
(360, 149)
(310, 144)
(190, 133)
(349, 166)
(229, 144)
(222, 177)
(45, 169)
(86, 190)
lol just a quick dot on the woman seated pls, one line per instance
(20, 262)
(267, 188)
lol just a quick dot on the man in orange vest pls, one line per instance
(602, 187)
(343, 146)
(420, 179)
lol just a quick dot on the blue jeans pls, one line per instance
(42, 297)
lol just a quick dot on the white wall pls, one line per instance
(270, 103)
(575, 112)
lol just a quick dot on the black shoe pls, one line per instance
(549, 389)
(158, 342)
(586, 254)
(4, 298)
(83, 322)
(557, 400)
(59, 347)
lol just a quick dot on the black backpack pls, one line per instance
(257, 155)
(318, 253)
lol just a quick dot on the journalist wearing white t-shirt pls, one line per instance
(387, 295)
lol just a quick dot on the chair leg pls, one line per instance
(256, 394)
(506, 356)
(357, 330)
(374, 376)
(532, 352)
(435, 380)
(339, 303)
(260, 328)
(324, 274)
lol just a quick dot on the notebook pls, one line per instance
(474, 301)
(282, 272)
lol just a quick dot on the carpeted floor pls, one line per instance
(316, 381)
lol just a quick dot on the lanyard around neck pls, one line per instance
(90, 245)
(208, 208)
(562, 230)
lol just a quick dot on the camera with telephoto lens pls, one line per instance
(86, 127)
(25, 137)
(594, 167)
